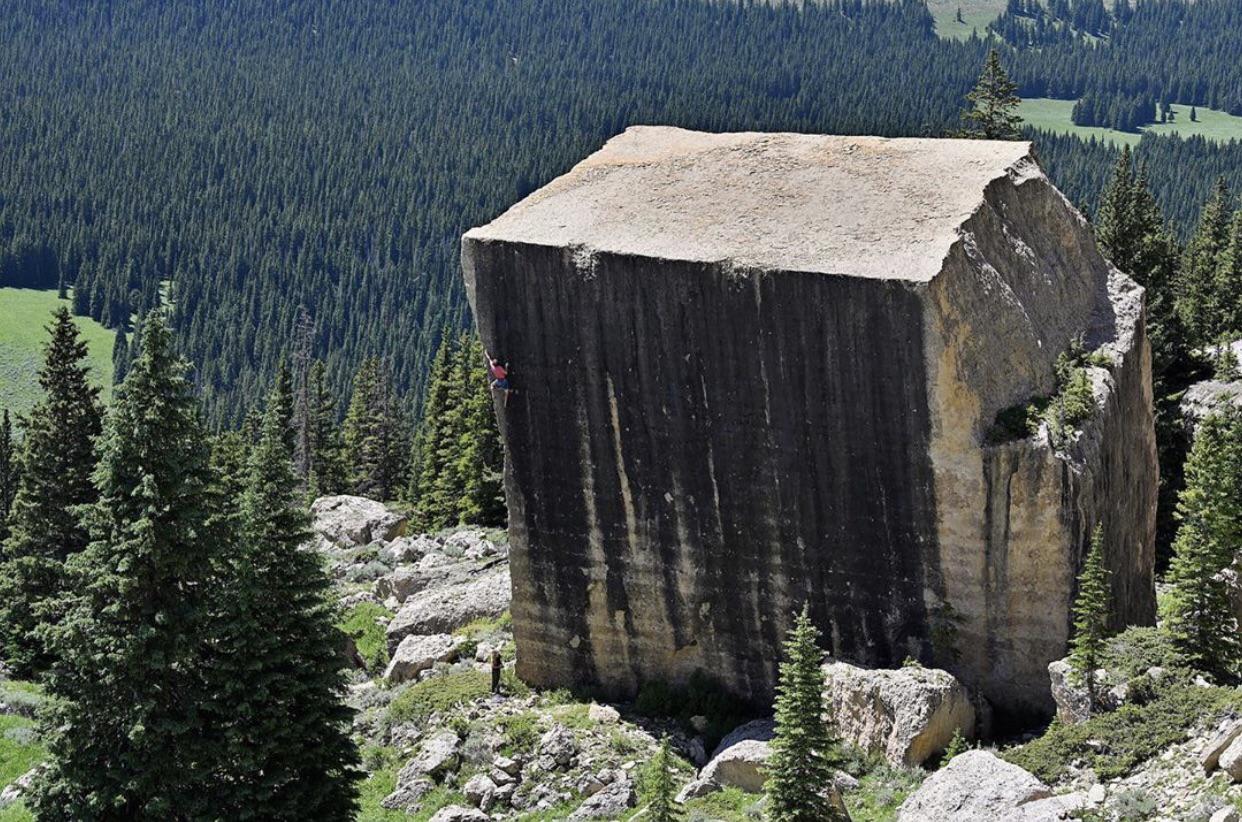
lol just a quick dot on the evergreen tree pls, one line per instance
(120, 357)
(1091, 610)
(663, 806)
(804, 750)
(279, 658)
(1199, 305)
(1228, 283)
(56, 478)
(1116, 221)
(327, 467)
(283, 399)
(1199, 616)
(993, 103)
(128, 737)
(434, 443)
(8, 472)
(376, 442)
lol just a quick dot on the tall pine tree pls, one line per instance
(128, 731)
(278, 656)
(804, 748)
(993, 104)
(376, 441)
(44, 529)
(1199, 304)
(326, 463)
(1091, 609)
(481, 454)
(1199, 616)
(8, 472)
(663, 806)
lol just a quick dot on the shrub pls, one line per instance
(521, 733)
(1127, 737)
(702, 696)
(443, 693)
(365, 623)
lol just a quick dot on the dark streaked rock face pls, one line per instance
(697, 446)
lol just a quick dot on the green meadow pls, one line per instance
(24, 315)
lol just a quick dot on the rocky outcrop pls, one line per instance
(416, 654)
(446, 608)
(975, 786)
(754, 370)
(1074, 703)
(906, 715)
(349, 521)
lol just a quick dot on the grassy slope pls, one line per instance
(1055, 116)
(976, 14)
(24, 313)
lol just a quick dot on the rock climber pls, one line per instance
(498, 373)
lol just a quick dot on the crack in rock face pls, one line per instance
(756, 370)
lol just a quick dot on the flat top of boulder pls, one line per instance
(870, 207)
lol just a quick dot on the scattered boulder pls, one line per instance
(603, 714)
(416, 654)
(1225, 735)
(459, 813)
(437, 756)
(907, 714)
(479, 790)
(408, 794)
(348, 521)
(558, 744)
(758, 730)
(445, 609)
(1231, 760)
(18, 787)
(401, 584)
(1225, 814)
(1073, 704)
(609, 803)
(975, 786)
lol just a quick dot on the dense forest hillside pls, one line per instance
(266, 157)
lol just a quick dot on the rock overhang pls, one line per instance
(867, 207)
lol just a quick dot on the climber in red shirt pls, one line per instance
(498, 373)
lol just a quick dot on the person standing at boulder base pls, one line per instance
(497, 667)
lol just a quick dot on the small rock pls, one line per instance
(699, 723)
(510, 766)
(1225, 814)
(558, 745)
(18, 787)
(610, 803)
(408, 794)
(697, 788)
(844, 782)
(479, 790)
(603, 714)
(696, 751)
(459, 813)
(1097, 794)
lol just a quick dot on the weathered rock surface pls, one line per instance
(443, 609)
(609, 803)
(459, 813)
(1218, 743)
(1073, 702)
(908, 714)
(975, 786)
(416, 654)
(349, 521)
(754, 370)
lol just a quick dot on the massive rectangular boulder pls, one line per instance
(756, 370)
